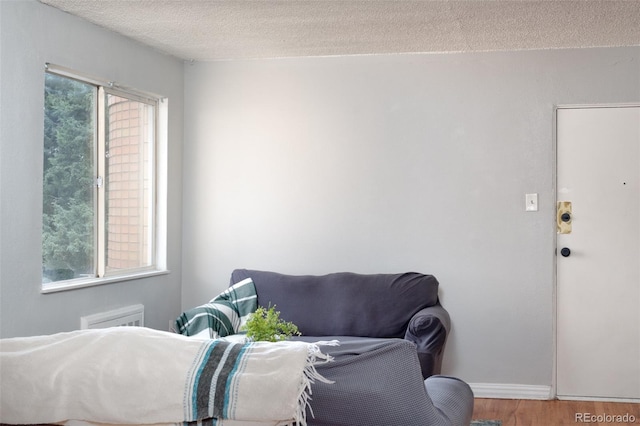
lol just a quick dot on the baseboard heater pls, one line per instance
(129, 316)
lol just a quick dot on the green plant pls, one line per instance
(266, 325)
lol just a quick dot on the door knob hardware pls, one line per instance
(565, 252)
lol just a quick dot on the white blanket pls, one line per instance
(135, 375)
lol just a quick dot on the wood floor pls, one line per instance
(520, 412)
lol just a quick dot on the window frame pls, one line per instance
(158, 181)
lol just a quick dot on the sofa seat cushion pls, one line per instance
(345, 303)
(376, 382)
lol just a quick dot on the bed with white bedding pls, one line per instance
(136, 375)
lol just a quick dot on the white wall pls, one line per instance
(394, 163)
(32, 34)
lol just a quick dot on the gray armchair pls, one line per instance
(392, 332)
(345, 304)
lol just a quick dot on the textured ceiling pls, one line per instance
(208, 30)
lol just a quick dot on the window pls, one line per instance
(99, 181)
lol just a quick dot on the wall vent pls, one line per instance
(128, 316)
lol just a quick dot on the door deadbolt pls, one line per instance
(563, 218)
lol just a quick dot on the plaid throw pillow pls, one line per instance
(223, 315)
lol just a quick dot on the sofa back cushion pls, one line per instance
(345, 303)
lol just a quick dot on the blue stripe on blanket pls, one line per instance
(211, 394)
(229, 410)
(199, 371)
(224, 369)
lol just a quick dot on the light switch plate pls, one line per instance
(531, 202)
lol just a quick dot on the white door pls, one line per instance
(598, 281)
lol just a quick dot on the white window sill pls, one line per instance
(90, 282)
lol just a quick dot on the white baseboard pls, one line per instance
(510, 391)
(596, 398)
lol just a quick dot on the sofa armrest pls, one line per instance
(451, 397)
(428, 330)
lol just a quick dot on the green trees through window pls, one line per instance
(69, 179)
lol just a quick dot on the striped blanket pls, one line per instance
(135, 375)
(224, 315)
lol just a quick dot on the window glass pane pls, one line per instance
(68, 180)
(129, 183)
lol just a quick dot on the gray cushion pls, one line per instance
(377, 382)
(345, 303)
